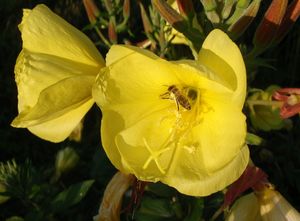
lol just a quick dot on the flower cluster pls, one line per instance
(178, 122)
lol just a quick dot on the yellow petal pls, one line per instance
(146, 148)
(118, 92)
(209, 148)
(203, 71)
(112, 199)
(50, 105)
(118, 52)
(274, 207)
(112, 123)
(59, 108)
(191, 183)
(245, 208)
(217, 139)
(145, 77)
(223, 57)
(58, 129)
(45, 32)
(35, 71)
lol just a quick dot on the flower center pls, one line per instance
(184, 97)
(188, 105)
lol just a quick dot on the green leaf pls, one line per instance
(70, 196)
(148, 217)
(15, 218)
(156, 207)
(161, 189)
(253, 139)
(196, 210)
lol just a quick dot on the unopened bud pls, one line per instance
(210, 8)
(227, 8)
(253, 139)
(108, 5)
(66, 159)
(170, 14)
(186, 8)
(91, 10)
(178, 22)
(265, 113)
(240, 8)
(126, 9)
(289, 19)
(145, 19)
(240, 26)
(112, 33)
(3, 198)
(269, 25)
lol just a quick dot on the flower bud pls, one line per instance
(112, 33)
(269, 25)
(291, 101)
(240, 26)
(265, 113)
(91, 10)
(170, 14)
(145, 19)
(227, 8)
(186, 8)
(290, 17)
(66, 159)
(3, 198)
(240, 8)
(253, 139)
(210, 7)
(108, 5)
(178, 22)
(126, 9)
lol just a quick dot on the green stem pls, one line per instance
(102, 37)
(217, 213)
(264, 103)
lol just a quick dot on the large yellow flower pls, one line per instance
(176, 122)
(54, 73)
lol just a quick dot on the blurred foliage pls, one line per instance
(28, 181)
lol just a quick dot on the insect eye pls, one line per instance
(192, 94)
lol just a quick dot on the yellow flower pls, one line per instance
(245, 208)
(54, 73)
(265, 205)
(176, 122)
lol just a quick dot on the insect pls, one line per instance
(180, 99)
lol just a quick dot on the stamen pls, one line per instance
(154, 156)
